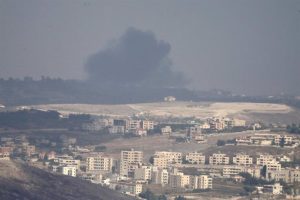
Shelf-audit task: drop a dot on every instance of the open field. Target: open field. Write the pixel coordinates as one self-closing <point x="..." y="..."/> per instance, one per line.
<point x="248" y="111"/>
<point x="151" y="144"/>
<point x="176" y="109"/>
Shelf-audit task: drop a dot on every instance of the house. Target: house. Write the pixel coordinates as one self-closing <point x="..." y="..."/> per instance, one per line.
<point x="167" y="130"/>
<point x="275" y="189"/>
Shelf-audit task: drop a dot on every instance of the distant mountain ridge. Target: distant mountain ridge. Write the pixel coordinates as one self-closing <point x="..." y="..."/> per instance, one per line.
<point x="57" y="91"/>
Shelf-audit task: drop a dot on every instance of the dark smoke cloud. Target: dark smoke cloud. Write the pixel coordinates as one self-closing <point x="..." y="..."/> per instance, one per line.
<point x="137" y="58"/>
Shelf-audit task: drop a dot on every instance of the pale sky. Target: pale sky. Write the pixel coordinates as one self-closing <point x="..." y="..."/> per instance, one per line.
<point x="244" y="46"/>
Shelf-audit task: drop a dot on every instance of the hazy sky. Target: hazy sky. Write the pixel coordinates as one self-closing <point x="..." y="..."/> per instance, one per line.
<point x="250" y="47"/>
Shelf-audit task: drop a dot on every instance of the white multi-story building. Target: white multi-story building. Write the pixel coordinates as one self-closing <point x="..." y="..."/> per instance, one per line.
<point x="288" y="175"/>
<point x="273" y="189"/>
<point x="99" y="163"/>
<point x="116" y="129"/>
<point x="160" y="162"/>
<point x="143" y="173"/>
<point x="219" y="159"/>
<point x="163" y="158"/>
<point x="167" y="130"/>
<point x="195" y="158"/>
<point x="147" y="125"/>
<point x="67" y="170"/>
<point x="179" y="180"/>
<point x="265" y="159"/>
<point x="273" y="166"/>
<point x="67" y="161"/>
<point x="129" y="159"/>
<point x="133" y="189"/>
<point x="201" y="182"/>
<point x="205" y="125"/>
<point x="285" y="139"/>
<point x="4" y="153"/>
<point x="160" y="176"/>
<point x="242" y="159"/>
<point x="134" y="124"/>
<point x="231" y="170"/>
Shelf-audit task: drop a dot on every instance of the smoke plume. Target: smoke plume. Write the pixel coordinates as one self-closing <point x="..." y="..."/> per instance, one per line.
<point x="136" y="58"/>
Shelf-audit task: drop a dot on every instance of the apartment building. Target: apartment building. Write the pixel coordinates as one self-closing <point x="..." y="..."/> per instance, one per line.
<point x="231" y="170"/>
<point x="143" y="173"/>
<point x="130" y="188"/>
<point x="219" y="159"/>
<point x="205" y="126"/>
<point x="160" y="176"/>
<point x="129" y="161"/>
<point x="216" y="124"/>
<point x="5" y="153"/>
<point x="242" y="159"/>
<point x="67" y="161"/>
<point x="116" y="129"/>
<point x="147" y="125"/>
<point x="254" y="170"/>
<point x="235" y="123"/>
<point x="134" y="124"/>
<point x="163" y="158"/>
<point x="167" y="130"/>
<point x="275" y="189"/>
<point x="195" y="158"/>
<point x="273" y="166"/>
<point x="99" y="163"/>
<point x="288" y="175"/>
<point x="179" y="180"/>
<point x="265" y="159"/>
<point x="67" y="170"/>
<point x="201" y="182"/>
<point x="285" y="139"/>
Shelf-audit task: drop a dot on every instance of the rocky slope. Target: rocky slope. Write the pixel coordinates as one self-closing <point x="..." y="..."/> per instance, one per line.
<point x="23" y="182"/>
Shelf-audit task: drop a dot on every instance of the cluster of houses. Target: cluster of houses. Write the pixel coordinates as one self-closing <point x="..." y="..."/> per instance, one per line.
<point x="130" y="173"/>
<point x="267" y="139"/>
<point x="221" y="123"/>
<point x="18" y="146"/>
<point x="121" y="126"/>
<point x="128" y="125"/>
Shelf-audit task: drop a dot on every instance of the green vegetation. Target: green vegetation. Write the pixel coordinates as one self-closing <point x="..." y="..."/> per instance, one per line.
<point x="224" y="142"/>
<point x="252" y="181"/>
<point x="221" y="143"/>
<point x="293" y="128"/>
<point x="100" y="148"/>
<point x="151" y="196"/>
<point x="201" y="190"/>
<point x="38" y="119"/>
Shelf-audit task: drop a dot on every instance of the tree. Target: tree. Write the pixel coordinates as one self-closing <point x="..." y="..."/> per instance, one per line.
<point x="100" y="148"/>
<point x="148" y="195"/>
<point x="151" y="160"/>
<point x="180" y="198"/>
<point x="282" y="142"/>
<point x="221" y="143"/>
<point x="249" y="189"/>
<point x="162" y="197"/>
<point x="264" y="171"/>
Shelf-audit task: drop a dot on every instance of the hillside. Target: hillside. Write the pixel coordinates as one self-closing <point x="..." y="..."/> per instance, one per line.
<point x="20" y="181"/>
